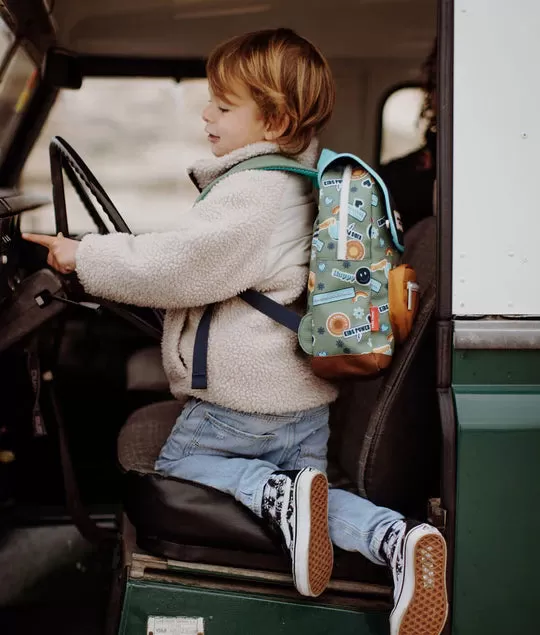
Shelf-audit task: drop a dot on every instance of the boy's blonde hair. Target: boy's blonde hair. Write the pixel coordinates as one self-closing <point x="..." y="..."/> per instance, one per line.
<point x="287" y="76"/>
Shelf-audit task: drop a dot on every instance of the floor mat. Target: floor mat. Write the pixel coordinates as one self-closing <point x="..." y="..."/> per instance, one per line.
<point x="52" y="581"/>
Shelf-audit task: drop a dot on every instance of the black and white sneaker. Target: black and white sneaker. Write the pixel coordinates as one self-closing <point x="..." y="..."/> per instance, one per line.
<point x="296" y="503"/>
<point x="416" y="553"/>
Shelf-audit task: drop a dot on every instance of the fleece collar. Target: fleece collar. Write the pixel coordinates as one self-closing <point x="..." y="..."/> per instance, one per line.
<point x="204" y="171"/>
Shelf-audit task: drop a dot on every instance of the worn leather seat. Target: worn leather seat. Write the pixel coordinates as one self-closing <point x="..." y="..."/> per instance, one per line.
<point x="384" y="445"/>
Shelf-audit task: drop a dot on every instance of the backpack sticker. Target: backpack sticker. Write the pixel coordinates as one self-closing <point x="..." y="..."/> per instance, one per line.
<point x="359" y="295"/>
<point x="355" y="250"/>
<point x="342" y="275"/>
<point x="311" y="281"/>
<point x="318" y="244"/>
<point x="357" y="212"/>
<point x="379" y="266"/>
<point x="357" y="331"/>
<point x="359" y="173"/>
<point x="333" y="296"/>
<point x="363" y="276"/>
<point x="333" y="183"/>
<point x="337" y="323"/>
<point x="352" y="233"/>
<point x="333" y="230"/>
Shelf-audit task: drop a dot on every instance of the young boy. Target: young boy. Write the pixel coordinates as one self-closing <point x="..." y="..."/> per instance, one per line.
<point x="259" y="431"/>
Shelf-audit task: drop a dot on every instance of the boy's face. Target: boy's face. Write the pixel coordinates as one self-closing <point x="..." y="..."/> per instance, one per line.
<point x="234" y="121"/>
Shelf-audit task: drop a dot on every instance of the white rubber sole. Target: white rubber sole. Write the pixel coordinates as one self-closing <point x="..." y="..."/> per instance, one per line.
<point x="422" y="605"/>
<point x="312" y="556"/>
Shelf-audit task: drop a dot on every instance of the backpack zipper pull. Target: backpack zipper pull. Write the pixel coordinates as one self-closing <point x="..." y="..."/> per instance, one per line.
<point x="412" y="287"/>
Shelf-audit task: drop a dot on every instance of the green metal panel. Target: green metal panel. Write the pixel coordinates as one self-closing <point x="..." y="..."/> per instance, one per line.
<point x="497" y="555"/>
<point x="496" y="367"/>
<point x="231" y="613"/>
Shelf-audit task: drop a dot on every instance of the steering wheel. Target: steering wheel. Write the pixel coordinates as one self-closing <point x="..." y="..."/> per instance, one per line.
<point x="64" y="159"/>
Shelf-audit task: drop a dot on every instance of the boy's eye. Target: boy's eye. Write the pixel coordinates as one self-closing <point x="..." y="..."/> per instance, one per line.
<point x="221" y="109"/>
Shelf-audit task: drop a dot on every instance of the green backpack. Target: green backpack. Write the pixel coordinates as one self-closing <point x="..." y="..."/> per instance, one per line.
<point x="360" y="301"/>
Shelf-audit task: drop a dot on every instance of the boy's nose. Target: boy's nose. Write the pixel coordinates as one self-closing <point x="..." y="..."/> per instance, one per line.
<point x="206" y="114"/>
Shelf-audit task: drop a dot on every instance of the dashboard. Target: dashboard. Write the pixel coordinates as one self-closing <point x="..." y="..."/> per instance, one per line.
<point x="12" y="205"/>
<point x="9" y="237"/>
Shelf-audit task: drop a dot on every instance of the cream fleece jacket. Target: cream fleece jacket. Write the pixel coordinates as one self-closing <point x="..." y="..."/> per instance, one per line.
<point x="253" y="230"/>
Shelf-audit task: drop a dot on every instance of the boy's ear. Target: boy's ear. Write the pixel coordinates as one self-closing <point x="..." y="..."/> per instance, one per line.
<point x="277" y="128"/>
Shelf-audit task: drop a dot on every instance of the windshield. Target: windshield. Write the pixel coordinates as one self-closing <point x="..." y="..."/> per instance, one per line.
<point x="17" y="85"/>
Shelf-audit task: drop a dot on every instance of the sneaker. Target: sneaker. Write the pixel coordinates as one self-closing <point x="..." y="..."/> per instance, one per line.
<point x="296" y="503"/>
<point x="417" y="557"/>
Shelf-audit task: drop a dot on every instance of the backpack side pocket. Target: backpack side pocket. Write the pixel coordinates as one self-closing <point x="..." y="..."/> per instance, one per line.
<point x="403" y="300"/>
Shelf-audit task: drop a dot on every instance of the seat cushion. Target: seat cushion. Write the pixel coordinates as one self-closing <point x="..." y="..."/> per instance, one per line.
<point x="186" y="521"/>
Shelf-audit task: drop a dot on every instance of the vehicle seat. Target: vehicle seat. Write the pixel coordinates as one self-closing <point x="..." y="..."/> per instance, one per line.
<point x="384" y="444"/>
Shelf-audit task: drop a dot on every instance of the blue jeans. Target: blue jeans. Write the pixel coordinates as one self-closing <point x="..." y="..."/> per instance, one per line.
<point x="236" y="452"/>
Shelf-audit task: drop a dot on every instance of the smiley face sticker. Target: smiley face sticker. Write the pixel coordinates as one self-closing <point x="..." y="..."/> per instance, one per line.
<point x="363" y="276"/>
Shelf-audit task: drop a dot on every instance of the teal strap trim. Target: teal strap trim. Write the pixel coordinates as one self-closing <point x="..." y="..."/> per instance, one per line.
<point x="328" y="156"/>
<point x="264" y="162"/>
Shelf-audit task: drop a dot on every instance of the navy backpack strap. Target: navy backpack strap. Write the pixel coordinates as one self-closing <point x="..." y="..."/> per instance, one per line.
<point x="272" y="309"/>
<point x="257" y="300"/>
<point x="200" y="350"/>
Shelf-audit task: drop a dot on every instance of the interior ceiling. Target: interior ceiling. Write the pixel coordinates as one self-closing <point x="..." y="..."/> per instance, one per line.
<point x="190" y="28"/>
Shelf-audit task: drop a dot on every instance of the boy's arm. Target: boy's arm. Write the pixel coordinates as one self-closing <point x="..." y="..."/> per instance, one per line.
<point x="219" y="251"/>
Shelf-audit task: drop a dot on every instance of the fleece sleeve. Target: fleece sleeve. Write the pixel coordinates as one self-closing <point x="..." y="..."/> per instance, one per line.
<point x="217" y="250"/>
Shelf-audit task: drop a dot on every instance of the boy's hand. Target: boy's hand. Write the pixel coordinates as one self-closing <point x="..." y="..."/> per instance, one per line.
<point x="62" y="251"/>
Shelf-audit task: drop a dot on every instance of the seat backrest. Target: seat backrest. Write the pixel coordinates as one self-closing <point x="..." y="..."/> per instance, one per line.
<point x="385" y="431"/>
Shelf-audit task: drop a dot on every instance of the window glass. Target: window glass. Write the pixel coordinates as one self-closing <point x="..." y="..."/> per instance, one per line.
<point x="137" y="136"/>
<point x="402" y="127"/>
<point x="17" y="86"/>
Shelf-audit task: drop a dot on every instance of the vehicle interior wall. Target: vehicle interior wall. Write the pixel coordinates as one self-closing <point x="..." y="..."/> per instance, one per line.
<point x="361" y="87"/>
